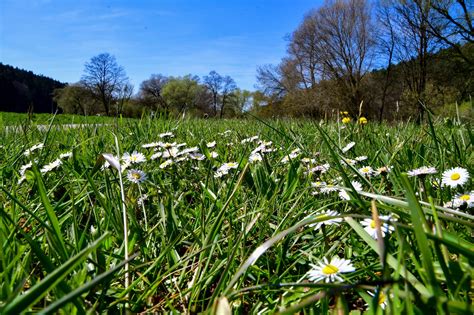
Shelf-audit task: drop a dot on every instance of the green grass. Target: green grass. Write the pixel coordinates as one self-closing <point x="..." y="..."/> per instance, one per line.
<point x="243" y="241"/>
<point x="14" y="119"/>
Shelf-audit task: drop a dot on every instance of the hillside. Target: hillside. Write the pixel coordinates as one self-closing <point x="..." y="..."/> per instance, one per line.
<point x="22" y="90"/>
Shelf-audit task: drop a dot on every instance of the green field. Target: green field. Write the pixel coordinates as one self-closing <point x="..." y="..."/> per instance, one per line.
<point x="275" y="216"/>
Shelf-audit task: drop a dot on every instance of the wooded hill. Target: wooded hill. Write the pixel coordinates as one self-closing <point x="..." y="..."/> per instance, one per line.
<point x="23" y="91"/>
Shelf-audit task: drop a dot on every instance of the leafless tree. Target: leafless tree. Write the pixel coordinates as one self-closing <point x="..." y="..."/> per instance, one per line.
<point x="151" y="91"/>
<point x="457" y="20"/>
<point x="228" y="87"/>
<point x="105" y="78"/>
<point x="214" y="82"/>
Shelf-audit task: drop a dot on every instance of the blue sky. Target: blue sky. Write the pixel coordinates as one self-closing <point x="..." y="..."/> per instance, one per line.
<point x="173" y="37"/>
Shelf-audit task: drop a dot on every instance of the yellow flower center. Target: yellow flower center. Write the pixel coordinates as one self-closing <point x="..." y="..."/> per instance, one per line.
<point x="372" y="224"/>
<point x="455" y="176"/>
<point x="465" y="197"/>
<point x="365" y="170"/>
<point x="322" y="216"/>
<point x="330" y="269"/>
<point x="382" y="298"/>
<point x="136" y="175"/>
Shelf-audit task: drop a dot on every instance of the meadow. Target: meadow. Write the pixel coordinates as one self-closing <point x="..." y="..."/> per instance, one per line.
<point x="237" y="216"/>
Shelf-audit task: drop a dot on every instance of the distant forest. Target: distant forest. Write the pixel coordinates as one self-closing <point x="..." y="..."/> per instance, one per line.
<point x="22" y="91"/>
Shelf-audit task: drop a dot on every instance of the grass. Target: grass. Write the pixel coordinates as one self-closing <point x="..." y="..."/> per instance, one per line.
<point x="242" y="242"/>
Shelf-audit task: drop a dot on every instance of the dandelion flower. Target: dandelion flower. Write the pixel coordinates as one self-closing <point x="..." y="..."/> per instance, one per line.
<point x="326" y="218"/>
<point x="362" y="120"/>
<point x="346" y="120"/>
<point x="370" y="226"/>
<point x="330" y="271"/>
<point x="457" y="176"/>
<point x="136" y="176"/>
<point x="421" y="171"/>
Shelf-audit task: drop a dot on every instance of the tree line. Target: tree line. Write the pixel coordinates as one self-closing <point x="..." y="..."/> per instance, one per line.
<point x="105" y="89"/>
<point x="24" y="91"/>
<point x="385" y="59"/>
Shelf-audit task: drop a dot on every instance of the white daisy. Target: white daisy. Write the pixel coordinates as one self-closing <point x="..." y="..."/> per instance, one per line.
<point x="382" y="299"/>
<point x="170" y="153"/>
<point x="33" y="148"/>
<point x="349" y="146"/>
<point x="214" y="154"/>
<point x="328" y="188"/>
<point x="367" y="171"/>
<point x="327" y="219"/>
<point x="156" y="155"/>
<point x="370" y="226"/>
<point x="51" y="166"/>
<point x="343" y="193"/>
<point x="166" y="163"/>
<point x="330" y="271"/>
<point x="65" y="155"/>
<point x="350" y="162"/>
<point x="136" y="176"/>
<point x="135" y="157"/>
<point x="247" y="140"/>
<point x="151" y="145"/>
<point x="255" y="157"/>
<point x="211" y="144"/>
<point x="197" y="156"/>
<point x="424" y="170"/>
<point x="25" y="167"/>
<point x="166" y="134"/>
<point x="466" y="198"/>
<point x="361" y="158"/>
<point x="457" y="176"/>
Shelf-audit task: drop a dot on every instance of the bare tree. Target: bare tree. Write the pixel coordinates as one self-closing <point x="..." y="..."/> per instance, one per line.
<point x="151" y="91"/>
<point x="228" y="87"/>
<point x="214" y="83"/>
<point x="105" y="78"/>
<point x="415" y="44"/>
<point x="457" y="20"/>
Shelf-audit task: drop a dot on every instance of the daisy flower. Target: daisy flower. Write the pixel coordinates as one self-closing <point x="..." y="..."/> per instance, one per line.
<point x="348" y="147"/>
<point x="366" y="171"/>
<point x="33" y="148"/>
<point x="136" y="176"/>
<point x="51" y="166"/>
<point x="156" y="155"/>
<point x="421" y="171"/>
<point x="382" y="300"/>
<point x="135" y="157"/>
<point x="214" y="154"/>
<point x="197" y="156"/>
<point x="466" y="198"/>
<point x="151" y="145"/>
<point x="328" y="188"/>
<point x="457" y="176"/>
<point x="343" y="193"/>
<point x="247" y="140"/>
<point x="166" y="163"/>
<point x="327" y="219"/>
<point x="24" y="168"/>
<point x="330" y="271"/>
<point x="370" y="226"/>
<point x="361" y="158"/>
<point x="166" y="134"/>
<point x="65" y="155"/>
<point x="211" y="144"/>
<point x="255" y="157"/>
